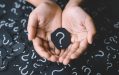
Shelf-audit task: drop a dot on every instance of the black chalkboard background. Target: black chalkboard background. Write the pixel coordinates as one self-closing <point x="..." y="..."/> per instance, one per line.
<point x="101" y="58"/>
<point x="114" y="7"/>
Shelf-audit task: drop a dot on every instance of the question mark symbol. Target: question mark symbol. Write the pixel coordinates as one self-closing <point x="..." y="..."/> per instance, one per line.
<point x="63" y="36"/>
<point x="13" y="10"/>
<point x="101" y="54"/>
<point x="23" y="21"/>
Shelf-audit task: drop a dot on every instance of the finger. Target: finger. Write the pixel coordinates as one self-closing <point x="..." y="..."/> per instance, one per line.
<point x="91" y="29"/>
<point x="53" y="58"/>
<point x="32" y="26"/>
<point x="57" y="51"/>
<point x="39" y="48"/>
<point x="51" y="45"/>
<point x="52" y="48"/>
<point x="74" y="47"/>
<point x="64" y="54"/>
<point x="66" y="61"/>
<point x="46" y="46"/>
<point x="80" y="50"/>
<point x="53" y="52"/>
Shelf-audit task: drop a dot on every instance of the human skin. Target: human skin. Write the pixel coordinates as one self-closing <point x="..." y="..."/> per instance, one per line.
<point x="82" y="30"/>
<point x="44" y="20"/>
<point x="76" y="21"/>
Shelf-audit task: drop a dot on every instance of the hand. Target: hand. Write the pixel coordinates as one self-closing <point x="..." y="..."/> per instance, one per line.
<point x="82" y="30"/>
<point x="44" y="20"/>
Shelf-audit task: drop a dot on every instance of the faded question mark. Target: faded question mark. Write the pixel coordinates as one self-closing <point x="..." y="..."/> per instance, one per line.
<point x="23" y="21"/>
<point x="5" y="42"/>
<point x="86" y="69"/>
<point x="101" y="54"/>
<point x="109" y="65"/>
<point x="2" y="5"/>
<point x="60" y="41"/>
<point x="22" y="70"/>
<point x="13" y="10"/>
<point x="57" y="71"/>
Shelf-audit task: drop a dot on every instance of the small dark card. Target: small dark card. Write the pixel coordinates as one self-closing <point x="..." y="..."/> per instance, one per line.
<point x="61" y="38"/>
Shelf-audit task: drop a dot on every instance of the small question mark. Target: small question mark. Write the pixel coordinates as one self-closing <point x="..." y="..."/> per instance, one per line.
<point x="60" y="41"/>
<point x="23" y="21"/>
<point x="22" y="70"/>
<point x="5" y="42"/>
<point x="57" y="71"/>
<point x="101" y="54"/>
<point x="2" y="5"/>
<point x="75" y="73"/>
<point x="109" y="65"/>
<point x="13" y="10"/>
<point x="112" y="39"/>
<point x="24" y="58"/>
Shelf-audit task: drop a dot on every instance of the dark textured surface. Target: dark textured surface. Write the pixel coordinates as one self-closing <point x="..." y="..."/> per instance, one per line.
<point x="101" y="58"/>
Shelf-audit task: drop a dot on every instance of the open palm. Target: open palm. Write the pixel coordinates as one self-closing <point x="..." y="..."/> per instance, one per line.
<point x="43" y="20"/>
<point x="82" y="30"/>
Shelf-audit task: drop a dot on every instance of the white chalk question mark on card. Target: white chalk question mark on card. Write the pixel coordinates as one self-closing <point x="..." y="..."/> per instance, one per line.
<point x="60" y="41"/>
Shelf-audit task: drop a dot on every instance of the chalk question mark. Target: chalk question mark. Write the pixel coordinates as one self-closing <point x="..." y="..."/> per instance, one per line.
<point x="61" y="38"/>
<point x="60" y="41"/>
<point x="101" y="54"/>
<point x="23" y="21"/>
<point x="13" y="10"/>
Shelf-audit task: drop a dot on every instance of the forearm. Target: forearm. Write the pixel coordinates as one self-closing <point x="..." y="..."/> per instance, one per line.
<point x="36" y="2"/>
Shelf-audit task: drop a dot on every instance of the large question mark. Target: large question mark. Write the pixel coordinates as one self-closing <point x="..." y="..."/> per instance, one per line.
<point x="60" y="41"/>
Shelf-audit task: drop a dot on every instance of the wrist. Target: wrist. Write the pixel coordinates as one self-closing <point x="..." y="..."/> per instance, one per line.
<point x="37" y="2"/>
<point x="73" y="3"/>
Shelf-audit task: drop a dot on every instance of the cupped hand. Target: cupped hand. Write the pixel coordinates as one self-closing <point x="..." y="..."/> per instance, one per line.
<point x="82" y="30"/>
<point x="43" y="20"/>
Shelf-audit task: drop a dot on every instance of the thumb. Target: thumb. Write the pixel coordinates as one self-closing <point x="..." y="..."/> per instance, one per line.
<point x="32" y="26"/>
<point x="90" y="37"/>
<point x="90" y="28"/>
